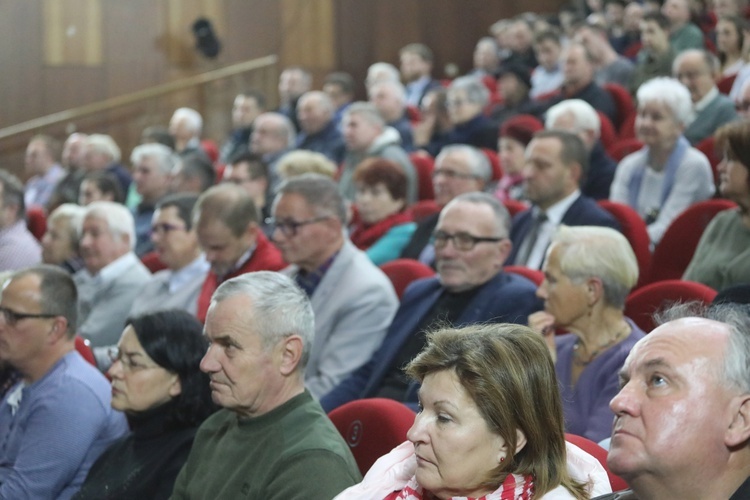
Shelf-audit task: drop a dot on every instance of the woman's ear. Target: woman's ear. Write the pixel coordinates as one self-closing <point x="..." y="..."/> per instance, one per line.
<point x="175" y="388"/>
<point x="594" y="290"/>
<point x="520" y="440"/>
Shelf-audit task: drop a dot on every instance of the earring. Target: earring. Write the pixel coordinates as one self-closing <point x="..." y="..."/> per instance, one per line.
<point x="502" y="459"/>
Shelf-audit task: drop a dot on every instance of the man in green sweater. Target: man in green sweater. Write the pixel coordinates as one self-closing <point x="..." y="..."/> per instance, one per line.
<point x="272" y="439"/>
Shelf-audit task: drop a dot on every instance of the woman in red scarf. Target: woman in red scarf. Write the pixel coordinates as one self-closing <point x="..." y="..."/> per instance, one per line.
<point x="384" y="226"/>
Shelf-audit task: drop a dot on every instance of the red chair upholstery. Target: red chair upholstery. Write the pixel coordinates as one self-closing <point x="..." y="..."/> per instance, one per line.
<point x="607" y="135"/>
<point x="424" y="164"/>
<point x="677" y="246"/>
<point x="623" y="102"/>
<point x="423" y="209"/>
<point x="632" y="50"/>
<point x="600" y="454"/>
<point x="413" y="114"/>
<point x="708" y="147"/>
<point x="644" y="302"/>
<point x="372" y="427"/>
<point x="534" y="275"/>
<point x="634" y="229"/>
<point x="497" y="169"/>
<point x="623" y="147"/>
<point x="36" y="221"/>
<point x="725" y="84"/>
<point x="152" y="262"/>
<point x="627" y="129"/>
<point x="211" y="150"/>
<point x="515" y="206"/>
<point x="84" y="349"/>
<point x="402" y="272"/>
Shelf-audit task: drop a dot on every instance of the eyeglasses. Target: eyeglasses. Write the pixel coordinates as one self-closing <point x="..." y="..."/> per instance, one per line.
<point x="128" y="363"/>
<point x="289" y="227"/>
<point x="165" y="227"/>
<point x="462" y="241"/>
<point x="451" y="174"/>
<point x="12" y="317"/>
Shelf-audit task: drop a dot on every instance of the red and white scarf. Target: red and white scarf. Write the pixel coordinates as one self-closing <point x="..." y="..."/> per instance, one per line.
<point x="515" y="487"/>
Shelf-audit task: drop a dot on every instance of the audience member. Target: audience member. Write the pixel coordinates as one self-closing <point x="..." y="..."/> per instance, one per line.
<point x="260" y="328"/>
<point x="381" y="72"/>
<point x="683" y="34"/>
<point x="293" y="82"/>
<point x="176" y="244"/>
<point x="667" y="175"/>
<point x="515" y="135"/>
<point x="467" y="100"/>
<point x="630" y="38"/>
<point x="556" y="163"/>
<point x="730" y="32"/>
<point x="384" y="226"/>
<point x="430" y="133"/>
<point x="548" y="76"/>
<point x="157" y="134"/>
<point x="698" y="362"/>
<point x="697" y="70"/>
<point x="66" y="189"/>
<point x="250" y="172"/>
<point x="186" y="126"/>
<point x="610" y="66"/>
<point x="578" y="117"/>
<point x="657" y="55"/>
<point x="192" y="174"/>
<point x="513" y="83"/>
<point x="111" y="278"/>
<point x="100" y="186"/>
<point x="246" y="108"/>
<point x="43" y="170"/>
<point x="486" y="58"/>
<point x="352" y="299"/>
<point x="103" y="154"/>
<point x="300" y="162"/>
<point x="318" y="130"/>
<point x="56" y="420"/>
<point x="157" y="382"/>
<point x="152" y="166"/>
<point x="389" y="98"/>
<point x="589" y="272"/>
<point x="366" y="136"/>
<point x="60" y="240"/>
<point x="340" y="89"/>
<point x="18" y="247"/>
<point x="458" y="169"/>
<point x="471" y="246"/>
<point x="722" y="258"/>
<point x="416" y="71"/>
<point x="521" y="43"/>
<point x="273" y="135"/>
<point x="227" y="226"/>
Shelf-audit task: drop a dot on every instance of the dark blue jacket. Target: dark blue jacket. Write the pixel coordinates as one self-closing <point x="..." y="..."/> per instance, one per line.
<point x="327" y="142"/>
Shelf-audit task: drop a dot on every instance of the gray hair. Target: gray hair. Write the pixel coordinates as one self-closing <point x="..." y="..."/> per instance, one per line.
<point x="323" y="100"/>
<point x="192" y="117"/>
<point x="669" y="92"/>
<point x="320" y="192"/>
<point x="475" y="90"/>
<point x="118" y="218"/>
<point x="72" y="214"/>
<point x="367" y="111"/>
<point x="598" y="252"/>
<point x="165" y="158"/>
<point x="711" y="61"/>
<point x="282" y="123"/>
<point x="279" y="308"/>
<point x="103" y="143"/>
<point x="58" y="293"/>
<point x="500" y="213"/>
<point x="584" y="115"/>
<point x="387" y="69"/>
<point x="396" y="87"/>
<point x="478" y="161"/>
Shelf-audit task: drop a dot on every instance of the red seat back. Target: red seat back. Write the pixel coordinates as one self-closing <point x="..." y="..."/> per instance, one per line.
<point x="84" y="349"/>
<point x="607" y="135"/>
<point x="494" y="159"/>
<point x="515" y="206"/>
<point x="600" y="454"/>
<point x="534" y="275"/>
<point x="36" y="221"/>
<point x="673" y="253"/>
<point x="372" y="427"/>
<point x="623" y="102"/>
<point x="627" y="129"/>
<point x="152" y="262"/>
<point x="402" y="272"/>
<point x="623" y="147"/>
<point x="708" y="147"/>
<point x="424" y="164"/>
<point x="725" y="84"/>
<point x="634" y="229"/>
<point x="423" y="209"/>
<point x="641" y="304"/>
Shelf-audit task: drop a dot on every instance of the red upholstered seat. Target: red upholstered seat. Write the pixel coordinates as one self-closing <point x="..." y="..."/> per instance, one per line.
<point x="608" y="136"/>
<point x="725" y="84"/>
<point x="708" y="147"/>
<point x="83" y="348"/>
<point x="600" y="454"/>
<point x="627" y="129"/>
<point x="372" y="427"/>
<point x="515" y="206"/>
<point x="623" y="147"/>
<point x="152" y="262"/>
<point x="36" y="221"/>
<point x="677" y="246"/>
<point x="423" y="209"/>
<point x="623" y="102"/>
<point x="534" y="275"/>
<point x="634" y="229"/>
<point x="402" y="272"/>
<point x="644" y="302"/>
<point x="494" y="159"/>
<point x="424" y="164"/>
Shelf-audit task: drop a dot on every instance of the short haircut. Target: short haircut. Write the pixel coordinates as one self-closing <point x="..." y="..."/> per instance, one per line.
<point x="584" y="115"/>
<point x="478" y="161"/>
<point x="117" y="216"/>
<point x="58" y="293"/>
<point x="104" y="144"/>
<point x="165" y="158"/>
<point x="184" y="203"/>
<point x="499" y="212"/>
<point x="383" y="67"/>
<point x="341" y="79"/>
<point x="174" y="340"/>
<point x="658" y="18"/>
<point x="419" y="49"/>
<point x="303" y="74"/>
<point x="668" y="91"/>
<point x="196" y="165"/>
<point x="283" y="126"/>
<point x="107" y="183"/>
<point x="279" y="308"/>
<point x="229" y="204"/>
<point x="547" y="35"/>
<point x="475" y="90"/>
<point x="396" y="87"/>
<point x="321" y="193"/>
<point x="572" y="151"/>
<point x="710" y="60"/>
<point x="13" y="193"/>
<point x="302" y="161"/>
<point x="507" y="371"/>
<point x="72" y="214"/>
<point x="367" y="111"/>
<point x="256" y="167"/>
<point x="193" y="119"/>
<point x="51" y="144"/>
<point x="598" y="252"/>
<point x="373" y="171"/>
<point x="257" y="95"/>
<point x="159" y="135"/>
<point x="323" y="100"/>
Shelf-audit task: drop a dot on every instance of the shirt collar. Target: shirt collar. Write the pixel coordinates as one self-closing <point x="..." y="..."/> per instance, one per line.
<point x="181" y="277"/>
<point x="710" y="96"/>
<point x="556" y="212"/>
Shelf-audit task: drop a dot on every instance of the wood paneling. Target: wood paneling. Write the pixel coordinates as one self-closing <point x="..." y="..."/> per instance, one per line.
<point x="72" y="31"/>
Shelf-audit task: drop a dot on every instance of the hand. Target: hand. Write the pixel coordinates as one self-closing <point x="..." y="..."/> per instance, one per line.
<point x="544" y="323"/>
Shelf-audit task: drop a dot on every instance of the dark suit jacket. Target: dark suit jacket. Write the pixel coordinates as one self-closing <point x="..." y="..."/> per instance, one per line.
<point x="420" y="238"/>
<point x="583" y="212"/>
<point x="506" y="298"/>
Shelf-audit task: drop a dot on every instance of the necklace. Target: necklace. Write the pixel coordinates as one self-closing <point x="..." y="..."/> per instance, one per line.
<point x="578" y="358"/>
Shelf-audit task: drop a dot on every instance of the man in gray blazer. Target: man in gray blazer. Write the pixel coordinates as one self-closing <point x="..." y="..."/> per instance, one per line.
<point x="353" y="300"/>
<point x="111" y="278"/>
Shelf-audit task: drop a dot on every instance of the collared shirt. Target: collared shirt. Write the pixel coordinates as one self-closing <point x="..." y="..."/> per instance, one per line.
<point x="18" y="247"/>
<point x="113" y="270"/>
<point x="309" y="281"/>
<point x="240" y="262"/>
<point x="699" y="106"/>
<point x="555" y="213"/>
<point x="39" y="188"/>
<point x="415" y="89"/>
<point x="198" y="268"/>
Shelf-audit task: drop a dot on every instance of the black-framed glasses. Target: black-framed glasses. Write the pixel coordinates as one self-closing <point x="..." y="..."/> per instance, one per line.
<point x="129" y="361"/>
<point x="165" y="227"/>
<point x="12" y="317"/>
<point x="289" y="227"/>
<point x="452" y="174"/>
<point x="461" y="240"/>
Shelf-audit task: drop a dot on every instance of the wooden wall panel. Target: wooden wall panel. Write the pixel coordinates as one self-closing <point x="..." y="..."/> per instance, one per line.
<point x="72" y="31"/>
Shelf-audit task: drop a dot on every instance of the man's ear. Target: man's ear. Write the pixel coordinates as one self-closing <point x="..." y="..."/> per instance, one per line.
<point x="59" y="330"/>
<point x="290" y="353"/>
<point x="738" y="432"/>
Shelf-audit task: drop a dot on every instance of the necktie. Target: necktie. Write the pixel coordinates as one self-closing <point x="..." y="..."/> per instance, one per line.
<point x="528" y="244"/>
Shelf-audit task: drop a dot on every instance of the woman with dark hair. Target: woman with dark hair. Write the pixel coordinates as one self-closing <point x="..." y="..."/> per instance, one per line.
<point x="490" y="425"/>
<point x="100" y="186"/>
<point x="157" y="382"/>
<point x="722" y="258"/>
<point x="384" y="226"/>
<point x="729" y="39"/>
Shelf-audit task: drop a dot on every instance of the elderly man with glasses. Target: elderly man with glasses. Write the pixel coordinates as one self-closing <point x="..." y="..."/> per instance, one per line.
<point x="353" y="300"/>
<point x="471" y="245"/>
